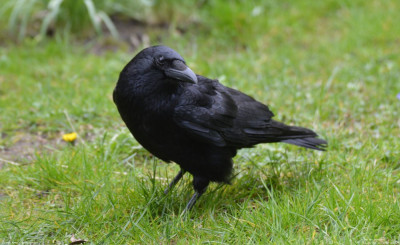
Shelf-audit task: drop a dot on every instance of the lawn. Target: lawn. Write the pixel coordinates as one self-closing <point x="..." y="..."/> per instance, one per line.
<point x="333" y="66"/>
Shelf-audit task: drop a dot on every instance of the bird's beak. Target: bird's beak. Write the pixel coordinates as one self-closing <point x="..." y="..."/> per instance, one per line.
<point x="181" y="72"/>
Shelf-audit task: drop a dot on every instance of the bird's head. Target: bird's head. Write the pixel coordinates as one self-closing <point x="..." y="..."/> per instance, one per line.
<point x="161" y="63"/>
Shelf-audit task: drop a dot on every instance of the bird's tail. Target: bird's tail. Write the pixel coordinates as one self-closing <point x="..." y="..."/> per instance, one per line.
<point x="299" y="136"/>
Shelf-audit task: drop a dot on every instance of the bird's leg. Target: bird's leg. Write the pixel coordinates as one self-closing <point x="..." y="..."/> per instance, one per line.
<point x="192" y="201"/>
<point x="175" y="180"/>
<point x="200" y="186"/>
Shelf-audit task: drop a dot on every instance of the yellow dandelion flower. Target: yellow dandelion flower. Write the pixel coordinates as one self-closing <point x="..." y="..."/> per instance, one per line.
<point x="71" y="137"/>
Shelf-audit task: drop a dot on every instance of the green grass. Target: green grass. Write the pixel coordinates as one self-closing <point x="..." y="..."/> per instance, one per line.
<point x="333" y="66"/>
<point x="80" y="19"/>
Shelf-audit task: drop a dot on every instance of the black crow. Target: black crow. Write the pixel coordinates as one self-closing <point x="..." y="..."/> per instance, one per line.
<point x="195" y="121"/>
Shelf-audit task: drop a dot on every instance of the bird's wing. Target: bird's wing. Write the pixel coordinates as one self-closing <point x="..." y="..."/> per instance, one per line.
<point x="253" y="121"/>
<point x="205" y="112"/>
<point x="215" y="114"/>
<point x="254" y="124"/>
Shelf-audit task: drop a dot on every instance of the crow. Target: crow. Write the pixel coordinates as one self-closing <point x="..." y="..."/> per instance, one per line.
<point x="195" y="121"/>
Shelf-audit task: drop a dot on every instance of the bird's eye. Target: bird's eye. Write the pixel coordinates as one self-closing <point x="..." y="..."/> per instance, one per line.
<point x="161" y="59"/>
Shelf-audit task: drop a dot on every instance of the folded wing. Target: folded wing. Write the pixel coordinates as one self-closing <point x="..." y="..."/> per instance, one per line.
<point x="215" y="114"/>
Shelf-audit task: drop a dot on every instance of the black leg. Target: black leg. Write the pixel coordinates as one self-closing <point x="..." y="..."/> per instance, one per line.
<point x="174" y="181"/>
<point x="200" y="186"/>
<point x="192" y="201"/>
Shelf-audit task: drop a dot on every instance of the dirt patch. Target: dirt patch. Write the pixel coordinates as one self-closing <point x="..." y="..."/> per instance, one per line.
<point x="24" y="148"/>
<point x="132" y="34"/>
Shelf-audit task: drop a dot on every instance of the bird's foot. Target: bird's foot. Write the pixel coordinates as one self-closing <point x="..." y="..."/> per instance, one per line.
<point x="191" y="203"/>
<point x="200" y="186"/>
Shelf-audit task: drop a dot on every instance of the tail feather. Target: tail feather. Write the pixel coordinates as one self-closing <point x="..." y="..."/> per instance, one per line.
<point x="299" y="136"/>
<point x="311" y="143"/>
